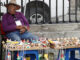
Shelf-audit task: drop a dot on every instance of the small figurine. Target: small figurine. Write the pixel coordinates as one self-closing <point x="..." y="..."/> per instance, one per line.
<point x="32" y="44"/>
<point x="27" y="41"/>
<point x="9" y="56"/>
<point x="28" y="46"/>
<point x="18" y="57"/>
<point x="36" y="44"/>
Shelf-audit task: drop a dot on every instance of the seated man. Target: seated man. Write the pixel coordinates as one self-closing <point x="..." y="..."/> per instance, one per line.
<point x="15" y="24"/>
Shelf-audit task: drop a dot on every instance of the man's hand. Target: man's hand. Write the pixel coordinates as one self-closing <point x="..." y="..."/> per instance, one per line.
<point x="26" y="27"/>
<point x="19" y="27"/>
<point x="22" y="30"/>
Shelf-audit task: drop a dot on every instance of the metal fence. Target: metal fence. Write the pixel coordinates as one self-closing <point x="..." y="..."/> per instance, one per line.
<point x="46" y="11"/>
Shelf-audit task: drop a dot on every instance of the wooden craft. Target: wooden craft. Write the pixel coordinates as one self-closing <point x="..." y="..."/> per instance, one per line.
<point x="26" y="45"/>
<point x="65" y="43"/>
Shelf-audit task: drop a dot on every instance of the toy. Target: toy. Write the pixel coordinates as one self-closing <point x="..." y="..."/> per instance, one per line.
<point x="26" y="44"/>
<point x="9" y="56"/>
<point x="64" y="42"/>
<point x="18" y="57"/>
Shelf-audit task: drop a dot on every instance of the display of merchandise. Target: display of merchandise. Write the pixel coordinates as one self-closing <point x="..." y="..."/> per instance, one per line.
<point x="62" y="43"/>
<point x="26" y="44"/>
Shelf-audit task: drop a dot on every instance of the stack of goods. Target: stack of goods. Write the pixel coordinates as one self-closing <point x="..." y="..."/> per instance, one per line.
<point x="25" y="44"/>
<point x="64" y="43"/>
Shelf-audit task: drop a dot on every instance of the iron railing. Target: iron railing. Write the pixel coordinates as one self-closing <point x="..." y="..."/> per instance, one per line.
<point x="57" y="19"/>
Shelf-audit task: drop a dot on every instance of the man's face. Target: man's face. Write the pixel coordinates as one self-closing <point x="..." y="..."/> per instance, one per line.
<point x="11" y="9"/>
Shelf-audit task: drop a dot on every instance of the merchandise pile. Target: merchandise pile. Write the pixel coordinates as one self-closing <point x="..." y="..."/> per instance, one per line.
<point x="42" y="43"/>
<point x="63" y="43"/>
<point x="26" y="44"/>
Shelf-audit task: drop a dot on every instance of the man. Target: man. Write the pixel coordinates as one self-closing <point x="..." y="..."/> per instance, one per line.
<point x="15" y="24"/>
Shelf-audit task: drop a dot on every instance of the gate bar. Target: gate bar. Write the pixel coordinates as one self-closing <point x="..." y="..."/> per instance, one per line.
<point x="36" y="12"/>
<point x="43" y="12"/>
<point x="50" y="11"/>
<point x="63" y="11"/>
<point x="57" y="11"/>
<point x="76" y="11"/>
<point x="22" y="9"/>
<point x="29" y="10"/>
<point x="69" y="10"/>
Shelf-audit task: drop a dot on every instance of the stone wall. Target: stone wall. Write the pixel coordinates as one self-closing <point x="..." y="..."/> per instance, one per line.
<point x="56" y="30"/>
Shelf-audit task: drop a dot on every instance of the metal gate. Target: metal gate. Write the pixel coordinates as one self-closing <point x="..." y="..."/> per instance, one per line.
<point x="72" y="16"/>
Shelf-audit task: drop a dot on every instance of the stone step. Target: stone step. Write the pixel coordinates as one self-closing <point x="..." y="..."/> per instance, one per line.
<point x="56" y="30"/>
<point x="58" y="34"/>
<point x="55" y="27"/>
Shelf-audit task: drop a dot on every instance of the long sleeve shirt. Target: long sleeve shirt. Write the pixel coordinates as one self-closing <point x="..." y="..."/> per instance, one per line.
<point x="8" y="22"/>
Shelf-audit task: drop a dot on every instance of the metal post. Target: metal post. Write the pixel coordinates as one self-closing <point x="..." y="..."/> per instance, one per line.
<point x="29" y="10"/>
<point x="43" y="12"/>
<point x="0" y="38"/>
<point x="63" y="11"/>
<point x="36" y="12"/>
<point x="22" y="9"/>
<point x="69" y="10"/>
<point x="57" y="11"/>
<point x="0" y="6"/>
<point x="50" y="11"/>
<point x="76" y="11"/>
<point x="7" y="3"/>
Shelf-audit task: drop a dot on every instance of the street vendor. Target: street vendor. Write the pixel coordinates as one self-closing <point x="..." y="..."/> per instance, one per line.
<point x="15" y="24"/>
